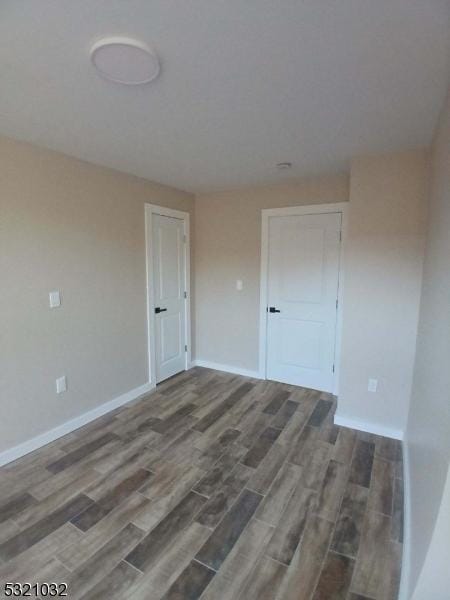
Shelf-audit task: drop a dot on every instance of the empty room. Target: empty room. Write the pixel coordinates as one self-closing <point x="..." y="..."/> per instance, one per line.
<point x="225" y="299"/>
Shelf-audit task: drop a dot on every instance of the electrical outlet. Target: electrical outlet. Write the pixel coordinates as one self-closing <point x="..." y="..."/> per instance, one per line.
<point x="239" y="285"/>
<point x="61" y="384"/>
<point x="372" y="385"/>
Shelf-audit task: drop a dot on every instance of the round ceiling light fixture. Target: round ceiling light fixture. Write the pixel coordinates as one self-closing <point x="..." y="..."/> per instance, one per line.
<point x="125" y="60"/>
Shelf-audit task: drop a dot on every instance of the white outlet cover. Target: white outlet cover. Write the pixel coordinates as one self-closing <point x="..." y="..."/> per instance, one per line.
<point x="54" y="299"/>
<point x="61" y="384"/>
<point x="372" y="385"/>
<point x="239" y="285"/>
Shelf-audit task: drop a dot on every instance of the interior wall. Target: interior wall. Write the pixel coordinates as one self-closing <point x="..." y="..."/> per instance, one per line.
<point x="383" y="272"/>
<point x="71" y="226"/>
<point x="434" y="579"/>
<point x="428" y="430"/>
<point x="228" y="248"/>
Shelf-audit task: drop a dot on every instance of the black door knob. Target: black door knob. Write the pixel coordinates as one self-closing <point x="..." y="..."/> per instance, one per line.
<point x="272" y="309"/>
<point x="160" y="310"/>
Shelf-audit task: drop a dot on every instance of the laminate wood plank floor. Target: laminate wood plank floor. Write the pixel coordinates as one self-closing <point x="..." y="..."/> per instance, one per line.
<point x="215" y="486"/>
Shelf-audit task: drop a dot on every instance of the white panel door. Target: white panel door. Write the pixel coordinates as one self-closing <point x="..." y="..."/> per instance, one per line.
<point x="169" y="287"/>
<point x="303" y="279"/>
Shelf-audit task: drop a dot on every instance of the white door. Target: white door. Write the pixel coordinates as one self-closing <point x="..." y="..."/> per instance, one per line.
<point x="303" y="279"/>
<point x="169" y="279"/>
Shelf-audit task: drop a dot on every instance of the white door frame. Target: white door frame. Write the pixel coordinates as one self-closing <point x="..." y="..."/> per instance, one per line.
<point x="150" y="210"/>
<point x="314" y="209"/>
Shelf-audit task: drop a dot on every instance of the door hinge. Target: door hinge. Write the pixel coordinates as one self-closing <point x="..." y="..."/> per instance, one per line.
<point x="337" y="303"/>
<point x="185" y="294"/>
<point x="184" y="238"/>
<point x="340" y="236"/>
<point x="333" y="368"/>
<point x="185" y="348"/>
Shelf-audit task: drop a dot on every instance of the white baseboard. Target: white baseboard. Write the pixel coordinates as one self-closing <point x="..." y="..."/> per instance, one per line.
<point x="227" y="368"/>
<point x="396" y="434"/>
<point x="406" y="566"/>
<point x="53" y="434"/>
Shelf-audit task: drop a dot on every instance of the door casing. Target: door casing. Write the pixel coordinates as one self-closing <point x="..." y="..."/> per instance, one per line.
<point x="315" y="209"/>
<point x="150" y="210"/>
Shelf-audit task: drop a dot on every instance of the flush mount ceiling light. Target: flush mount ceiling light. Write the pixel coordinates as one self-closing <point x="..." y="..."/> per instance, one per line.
<point x="282" y="166"/>
<point x="125" y="60"/>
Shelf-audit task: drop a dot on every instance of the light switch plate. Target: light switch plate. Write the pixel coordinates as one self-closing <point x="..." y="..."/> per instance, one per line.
<point x="55" y="299"/>
<point x="61" y="384"/>
<point x="239" y="285"/>
<point x="372" y="385"/>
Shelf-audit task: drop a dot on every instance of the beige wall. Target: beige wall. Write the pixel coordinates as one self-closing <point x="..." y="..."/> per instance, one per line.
<point x="383" y="267"/>
<point x="72" y="226"/>
<point x="434" y="576"/>
<point x="428" y="431"/>
<point x="228" y="247"/>
<point x="383" y="270"/>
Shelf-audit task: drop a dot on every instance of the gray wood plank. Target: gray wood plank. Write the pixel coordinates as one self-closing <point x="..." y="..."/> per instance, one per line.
<point x="7" y="530"/>
<point x="215" y="476"/>
<point x="218" y="504"/>
<point x="217" y="412"/>
<point x="273" y="505"/>
<point x="34" y="513"/>
<point x="268" y="468"/>
<point x="261" y="447"/>
<point x="388" y="449"/>
<point x="171" y="484"/>
<point x="87" y="544"/>
<point x="295" y="426"/>
<point x="252" y="430"/>
<point x="155" y="582"/>
<point x="103" y="561"/>
<point x="370" y="567"/>
<point x="104" y="505"/>
<point x="344" y="445"/>
<point x="33" y="534"/>
<point x="238" y="565"/>
<point x="347" y="534"/>
<point x="15" y="505"/>
<point x="89" y="517"/>
<point x="165" y="425"/>
<point x="320" y="413"/>
<point x="146" y="553"/>
<point x="330" y="433"/>
<point x="80" y="453"/>
<point x="215" y="450"/>
<point x="361" y="468"/>
<point x="335" y="578"/>
<point x="226" y="534"/>
<point x="289" y="531"/>
<point x="276" y="402"/>
<point x="115" y="585"/>
<point x="315" y="467"/>
<point x="37" y="556"/>
<point x="330" y="496"/>
<point x="191" y="583"/>
<point x="285" y="414"/>
<point x="264" y="581"/>
<point x="303" y="448"/>
<point x="304" y="571"/>
<point x="397" y="513"/>
<point x="381" y="486"/>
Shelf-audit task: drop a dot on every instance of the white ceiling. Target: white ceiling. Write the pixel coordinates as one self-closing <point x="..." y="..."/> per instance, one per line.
<point x="244" y="85"/>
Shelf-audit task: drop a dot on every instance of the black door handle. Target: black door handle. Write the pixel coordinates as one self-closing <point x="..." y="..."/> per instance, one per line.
<point x="272" y="309"/>
<point x="160" y="310"/>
